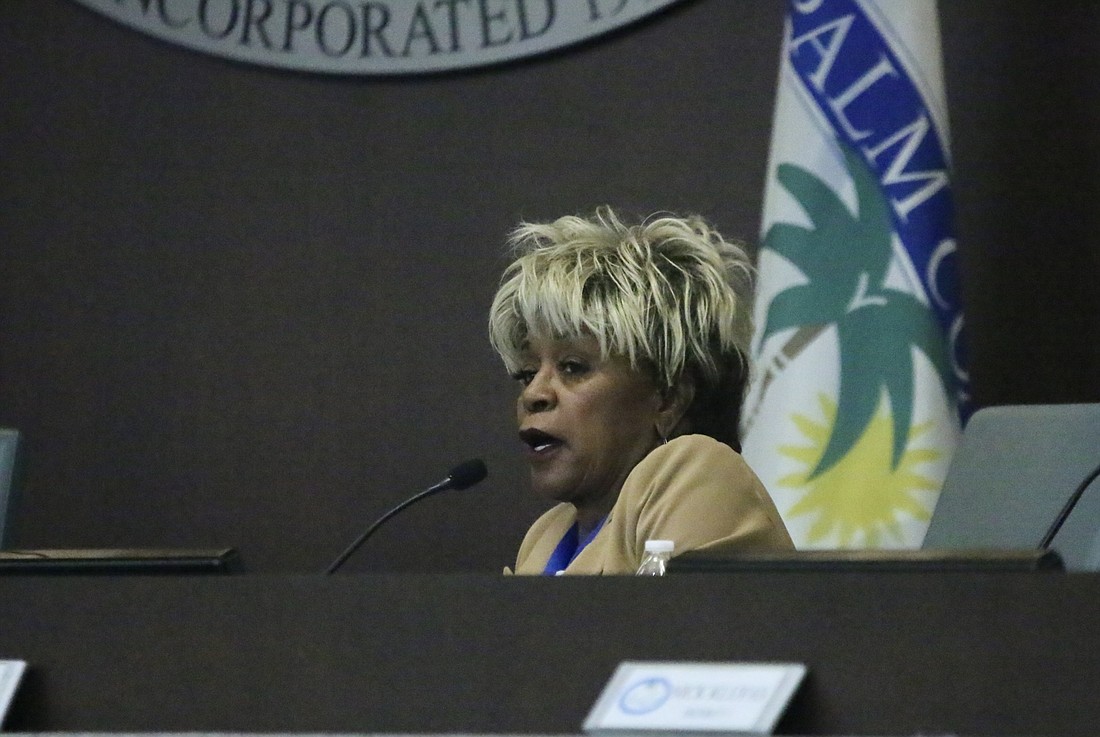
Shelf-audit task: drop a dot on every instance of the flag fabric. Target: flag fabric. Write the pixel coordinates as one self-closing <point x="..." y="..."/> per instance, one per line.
<point x="859" y="381"/>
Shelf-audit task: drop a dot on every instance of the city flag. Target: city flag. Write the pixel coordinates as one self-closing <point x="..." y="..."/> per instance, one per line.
<point x="859" y="381"/>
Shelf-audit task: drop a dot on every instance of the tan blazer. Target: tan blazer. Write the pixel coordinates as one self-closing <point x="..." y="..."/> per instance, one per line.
<point x="695" y="491"/>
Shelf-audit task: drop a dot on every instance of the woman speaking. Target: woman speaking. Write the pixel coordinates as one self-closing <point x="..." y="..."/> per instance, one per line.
<point x="630" y="347"/>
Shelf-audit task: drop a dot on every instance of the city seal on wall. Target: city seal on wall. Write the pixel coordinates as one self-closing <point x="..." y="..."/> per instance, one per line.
<point x="375" y="36"/>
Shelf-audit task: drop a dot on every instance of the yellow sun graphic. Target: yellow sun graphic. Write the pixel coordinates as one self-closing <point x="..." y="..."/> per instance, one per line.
<point x="859" y="499"/>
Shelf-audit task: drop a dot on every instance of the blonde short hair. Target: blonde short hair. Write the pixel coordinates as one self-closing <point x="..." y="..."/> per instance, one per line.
<point x="669" y="293"/>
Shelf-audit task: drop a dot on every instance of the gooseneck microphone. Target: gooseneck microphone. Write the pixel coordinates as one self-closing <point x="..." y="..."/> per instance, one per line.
<point x="1063" y="515"/>
<point x="462" y="476"/>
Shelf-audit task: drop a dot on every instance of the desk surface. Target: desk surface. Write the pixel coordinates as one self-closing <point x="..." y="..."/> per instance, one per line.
<point x="888" y="653"/>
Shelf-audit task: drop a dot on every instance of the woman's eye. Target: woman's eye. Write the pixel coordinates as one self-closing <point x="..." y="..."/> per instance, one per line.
<point x="573" y="368"/>
<point x="524" y="376"/>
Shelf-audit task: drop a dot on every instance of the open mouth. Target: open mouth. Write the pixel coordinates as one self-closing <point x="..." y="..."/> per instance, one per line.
<point x="538" y="441"/>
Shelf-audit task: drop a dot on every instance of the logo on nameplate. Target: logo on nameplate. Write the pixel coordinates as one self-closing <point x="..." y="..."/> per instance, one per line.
<point x="695" y="697"/>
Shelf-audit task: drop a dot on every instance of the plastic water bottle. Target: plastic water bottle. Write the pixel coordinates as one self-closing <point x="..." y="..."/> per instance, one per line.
<point x="655" y="560"/>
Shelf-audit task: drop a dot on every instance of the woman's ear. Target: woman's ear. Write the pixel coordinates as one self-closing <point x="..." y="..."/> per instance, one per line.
<point x="672" y="413"/>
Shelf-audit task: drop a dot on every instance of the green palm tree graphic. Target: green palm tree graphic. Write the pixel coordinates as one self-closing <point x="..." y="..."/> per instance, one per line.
<point x="845" y="258"/>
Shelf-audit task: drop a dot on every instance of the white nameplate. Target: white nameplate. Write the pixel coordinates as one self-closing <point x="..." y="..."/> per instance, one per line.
<point x="695" y="697"/>
<point x="10" y="673"/>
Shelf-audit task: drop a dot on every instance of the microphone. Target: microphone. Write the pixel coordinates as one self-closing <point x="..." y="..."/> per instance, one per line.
<point x="462" y="476"/>
<point x="1063" y="515"/>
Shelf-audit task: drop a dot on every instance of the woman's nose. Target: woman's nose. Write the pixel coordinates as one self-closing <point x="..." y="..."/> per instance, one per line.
<point x="538" y="396"/>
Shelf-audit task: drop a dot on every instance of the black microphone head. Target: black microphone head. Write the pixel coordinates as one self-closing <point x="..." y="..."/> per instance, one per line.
<point x="468" y="473"/>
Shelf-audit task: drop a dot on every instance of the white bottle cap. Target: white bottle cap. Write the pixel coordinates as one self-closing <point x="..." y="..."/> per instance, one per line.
<point x="659" y="546"/>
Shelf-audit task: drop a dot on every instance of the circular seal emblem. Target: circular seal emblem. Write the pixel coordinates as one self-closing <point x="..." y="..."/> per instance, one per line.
<point x="376" y="36"/>
<point x="645" y="696"/>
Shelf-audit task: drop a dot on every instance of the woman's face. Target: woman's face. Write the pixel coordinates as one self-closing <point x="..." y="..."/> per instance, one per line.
<point x="584" y="421"/>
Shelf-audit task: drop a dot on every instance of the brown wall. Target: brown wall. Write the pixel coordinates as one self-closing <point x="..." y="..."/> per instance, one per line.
<point x="246" y="307"/>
